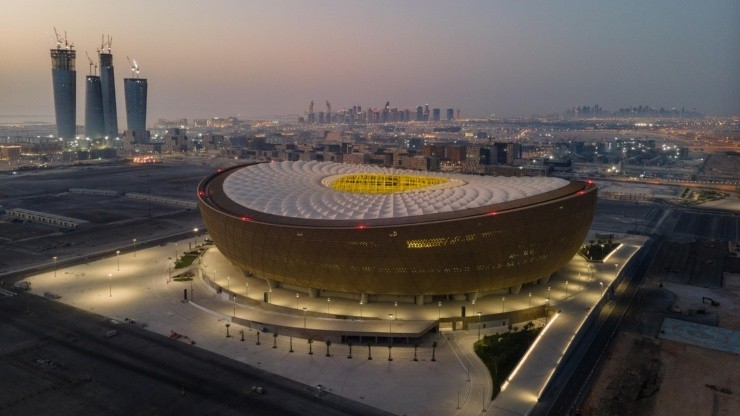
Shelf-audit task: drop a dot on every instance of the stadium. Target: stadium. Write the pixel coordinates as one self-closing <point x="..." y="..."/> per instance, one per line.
<point x="332" y="228"/>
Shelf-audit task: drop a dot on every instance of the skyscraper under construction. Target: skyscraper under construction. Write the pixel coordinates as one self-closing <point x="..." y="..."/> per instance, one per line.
<point x="108" y="88"/>
<point x="135" y="90"/>
<point x="64" y="77"/>
<point x="94" y="126"/>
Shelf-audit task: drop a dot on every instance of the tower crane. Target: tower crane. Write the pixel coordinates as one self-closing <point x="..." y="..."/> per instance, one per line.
<point x="92" y="64"/>
<point x="134" y="67"/>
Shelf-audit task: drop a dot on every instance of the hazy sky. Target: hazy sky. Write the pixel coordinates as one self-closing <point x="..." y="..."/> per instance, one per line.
<point x="220" y="58"/>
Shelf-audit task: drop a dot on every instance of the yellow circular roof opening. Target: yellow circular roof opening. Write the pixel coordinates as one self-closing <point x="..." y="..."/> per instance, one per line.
<point x="380" y="183"/>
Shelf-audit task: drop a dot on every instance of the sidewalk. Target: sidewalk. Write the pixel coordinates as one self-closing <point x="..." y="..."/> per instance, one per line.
<point x="524" y="387"/>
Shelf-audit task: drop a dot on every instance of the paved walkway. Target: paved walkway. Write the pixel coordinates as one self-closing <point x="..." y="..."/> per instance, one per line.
<point x="137" y="286"/>
<point x="520" y="394"/>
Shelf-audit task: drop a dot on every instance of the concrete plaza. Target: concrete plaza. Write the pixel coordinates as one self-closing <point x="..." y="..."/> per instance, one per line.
<point x="137" y="286"/>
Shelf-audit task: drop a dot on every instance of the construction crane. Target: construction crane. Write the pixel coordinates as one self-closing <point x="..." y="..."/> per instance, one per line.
<point x="134" y="67"/>
<point x="328" y="107"/>
<point x="59" y="40"/>
<point x="92" y="64"/>
<point x="105" y="43"/>
<point x="310" y="107"/>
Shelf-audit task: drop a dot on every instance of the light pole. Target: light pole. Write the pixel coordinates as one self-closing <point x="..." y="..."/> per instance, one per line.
<point x="195" y="237"/>
<point x="360" y="309"/>
<point x="548" y="294"/>
<point x="328" y="302"/>
<point x="395" y="310"/>
<point x="530" y="300"/>
<point x="175" y="250"/>
<point x="566" y="289"/>
<point x="601" y="284"/>
<point x="55" y="266"/>
<point x="503" y="304"/>
<point x="134" y="247"/>
<point x="297" y="296"/>
<point x="228" y="282"/>
<point x="191" y="287"/>
<point x="110" y="285"/>
<point x="478" y="326"/>
<point x="118" y="260"/>
<point x="246" y="288"/>
<point x="390" y="335"/>
<point x="439" y="310"/>
<point x="304" y="317"/>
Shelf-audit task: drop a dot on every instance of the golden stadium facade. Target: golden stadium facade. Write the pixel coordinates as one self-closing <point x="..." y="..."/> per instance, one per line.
<point x="379" y="231"/>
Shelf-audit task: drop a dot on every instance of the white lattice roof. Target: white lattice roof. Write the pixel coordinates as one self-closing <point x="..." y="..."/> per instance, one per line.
<point x="295" y="189"/>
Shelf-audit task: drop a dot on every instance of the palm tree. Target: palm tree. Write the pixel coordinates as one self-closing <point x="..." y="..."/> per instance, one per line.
<point x="349" y="344"/>
<point x="369" y="356"/>
<point x="310" y="346"/>
<point x="274" y="339"/>
<point x="416" y="345"/>
<point x="258" y="337"/>
<point x="390" y="346"/>
<point x="328" y="344"/>
<point x="434" y="349"/>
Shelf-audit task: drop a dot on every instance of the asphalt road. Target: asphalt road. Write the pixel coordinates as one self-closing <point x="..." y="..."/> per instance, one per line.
<point x="57" y="360"/>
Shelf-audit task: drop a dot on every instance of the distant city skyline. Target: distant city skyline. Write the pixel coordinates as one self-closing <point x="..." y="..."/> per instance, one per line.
<point x="505" y="58"/>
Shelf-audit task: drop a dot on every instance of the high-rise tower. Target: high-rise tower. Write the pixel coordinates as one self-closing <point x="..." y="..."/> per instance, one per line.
<point x="64" y="77"/>
<point x="108" y="88"/>
<point x="135" y="90"/>
<point x="94" y="126"/>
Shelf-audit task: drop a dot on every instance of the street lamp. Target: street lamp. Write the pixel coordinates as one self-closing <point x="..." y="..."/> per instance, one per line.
<point x="297" y="296"/>
<point x="390" y="329"/>
<point x="530" y="299"/>
<point x="601" y="284"/>
<point x="360" y="309"/>
<point x="439" y="310"/>
<point x="304" y="317"/>
<point x="395" y="310"/>
<point x="246" y="288"/>
<point x="55" y="266"/>
<point x="175" y="250"/>
<point x="503" y="304"/>
<point x="110" y="285"/>
<point x="195" y="237"/>
<point x="134" y="247"/>
<point x="118" y="260"/>
<point x="228" y="282"/>
<point x="478" y="326"/>
<point x="328" y="302"/>
<point x="566" y="289"/>
<point x="548" y="293"/>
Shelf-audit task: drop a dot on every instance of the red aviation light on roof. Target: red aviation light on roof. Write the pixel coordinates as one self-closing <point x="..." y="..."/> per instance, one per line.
<point x="590" y="182"/>
<point x="245" y="218"/>
<point x="581" y="192"/>
<point x="361" y="226"/>
<point x="202" y="192"/>
<point x="493" y="213"/>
